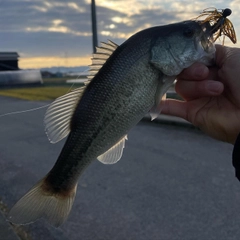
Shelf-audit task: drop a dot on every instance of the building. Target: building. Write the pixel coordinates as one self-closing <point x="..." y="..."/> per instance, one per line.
<point x="9" y="61"/>
<point x="11" y="75"/>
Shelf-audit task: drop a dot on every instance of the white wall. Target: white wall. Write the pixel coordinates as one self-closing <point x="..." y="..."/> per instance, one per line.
<point x="20" y="77"/>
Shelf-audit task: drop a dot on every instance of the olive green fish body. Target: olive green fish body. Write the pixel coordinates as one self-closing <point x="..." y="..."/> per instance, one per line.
<point x="106" y="112"/>
<point x="127" y="81"/>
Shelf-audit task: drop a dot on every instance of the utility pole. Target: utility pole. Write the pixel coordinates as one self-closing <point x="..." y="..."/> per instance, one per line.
<point x="94" y="26"/>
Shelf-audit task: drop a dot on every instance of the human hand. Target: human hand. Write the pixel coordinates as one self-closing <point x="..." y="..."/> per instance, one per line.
<point x="211" y="95"/>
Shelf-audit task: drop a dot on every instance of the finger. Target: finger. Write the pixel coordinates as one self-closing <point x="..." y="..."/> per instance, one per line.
<point x="221" y="54"/>
<point x="174" y="108"/>
<point x="213" y="73"/>
<point x="186" y="110"/>
<point x="183" y="109"/>
<point x="196" y="71"/>
<point x="198" y="89"/>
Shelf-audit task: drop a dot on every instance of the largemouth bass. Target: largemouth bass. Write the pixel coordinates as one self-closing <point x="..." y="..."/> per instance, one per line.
<point x="127" y="81"/>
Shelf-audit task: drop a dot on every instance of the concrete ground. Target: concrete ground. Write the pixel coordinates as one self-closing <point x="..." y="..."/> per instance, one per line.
<point x="172" y="183"/>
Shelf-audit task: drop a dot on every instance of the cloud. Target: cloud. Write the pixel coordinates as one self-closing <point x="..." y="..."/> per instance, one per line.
<point x="23" y="15"/>
<point x="124" y="26"/>
<point x="45" y="44"/>
<point x="46" y="28"/>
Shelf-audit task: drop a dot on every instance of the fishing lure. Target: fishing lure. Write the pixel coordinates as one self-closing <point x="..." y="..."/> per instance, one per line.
<point x="221" y="25"/>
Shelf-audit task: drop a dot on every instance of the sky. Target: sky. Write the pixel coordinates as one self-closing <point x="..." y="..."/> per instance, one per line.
<point x="49" y="33"/>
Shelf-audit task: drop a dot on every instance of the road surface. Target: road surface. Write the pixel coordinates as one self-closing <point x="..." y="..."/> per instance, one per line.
<point x="173" y="183"/>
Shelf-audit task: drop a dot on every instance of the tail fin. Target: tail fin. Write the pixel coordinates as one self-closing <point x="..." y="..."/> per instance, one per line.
<point x="41" y="203"/>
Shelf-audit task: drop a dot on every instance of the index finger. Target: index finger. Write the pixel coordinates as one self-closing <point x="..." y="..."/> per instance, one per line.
<point x="197" y="71"/>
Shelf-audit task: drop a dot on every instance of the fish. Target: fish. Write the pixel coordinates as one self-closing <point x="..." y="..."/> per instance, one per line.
<point x="126" y="82"/>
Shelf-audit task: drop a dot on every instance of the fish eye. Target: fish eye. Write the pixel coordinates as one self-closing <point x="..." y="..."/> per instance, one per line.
<point x="188" y="32"/>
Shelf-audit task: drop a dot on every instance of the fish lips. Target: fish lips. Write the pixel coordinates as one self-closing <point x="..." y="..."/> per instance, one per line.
<point x="206" y="38"/>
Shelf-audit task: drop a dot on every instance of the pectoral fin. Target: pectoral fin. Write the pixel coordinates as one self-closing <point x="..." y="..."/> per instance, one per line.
<point x="156" y="109"/>
<point x="114" y="154"/>
<point x="163" y="86"/>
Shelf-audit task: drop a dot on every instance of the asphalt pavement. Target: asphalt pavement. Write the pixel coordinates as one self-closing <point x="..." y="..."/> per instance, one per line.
<point x="172" y="183"/>
<point x="6" y="230"/>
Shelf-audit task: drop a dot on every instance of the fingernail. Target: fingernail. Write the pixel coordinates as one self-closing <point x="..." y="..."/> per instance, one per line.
<point x="214" y="87"/>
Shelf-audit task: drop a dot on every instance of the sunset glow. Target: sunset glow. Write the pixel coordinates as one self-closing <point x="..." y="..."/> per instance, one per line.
<point x="42" y="62"/>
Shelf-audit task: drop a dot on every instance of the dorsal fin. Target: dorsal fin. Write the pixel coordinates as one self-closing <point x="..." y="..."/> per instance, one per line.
<point x="100" y="57"/>
<point x="59" y="114"/>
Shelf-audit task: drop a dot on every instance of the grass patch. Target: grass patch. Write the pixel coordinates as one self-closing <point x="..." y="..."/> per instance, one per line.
<point x="36" y="93"/>
<point x="51" y="89"/>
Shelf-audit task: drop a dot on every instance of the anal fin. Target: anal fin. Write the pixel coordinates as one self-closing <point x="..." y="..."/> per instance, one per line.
<point x="156" y="109"/>
<point x="114" y="154"/>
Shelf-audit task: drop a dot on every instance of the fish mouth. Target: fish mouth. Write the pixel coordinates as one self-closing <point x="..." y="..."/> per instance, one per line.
<point x="206" y="37"/>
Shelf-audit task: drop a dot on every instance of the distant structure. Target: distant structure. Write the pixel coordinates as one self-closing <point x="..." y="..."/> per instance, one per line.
<point x="10" y="74"/>
<point x="9" y="61"/>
